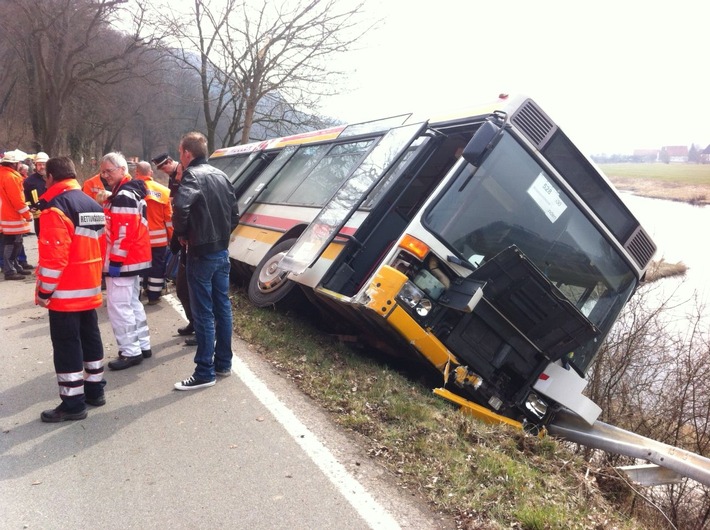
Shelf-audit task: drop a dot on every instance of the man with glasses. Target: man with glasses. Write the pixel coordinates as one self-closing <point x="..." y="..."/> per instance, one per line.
<point x="128" y="255"/>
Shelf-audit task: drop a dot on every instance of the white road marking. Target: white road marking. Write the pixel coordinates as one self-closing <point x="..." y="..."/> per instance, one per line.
<point x="368" y="508"/>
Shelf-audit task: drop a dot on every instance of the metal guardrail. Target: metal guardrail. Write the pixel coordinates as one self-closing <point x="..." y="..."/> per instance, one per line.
<point x="616" y="440"/>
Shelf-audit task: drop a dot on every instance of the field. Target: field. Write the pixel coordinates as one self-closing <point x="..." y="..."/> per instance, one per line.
<point x="678" y="182"/>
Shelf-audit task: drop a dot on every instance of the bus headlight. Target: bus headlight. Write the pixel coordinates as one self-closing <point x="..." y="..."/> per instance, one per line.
<point x="536" y="405"/>
<point x="423" y="307"/>
<point x="411" y="296"/>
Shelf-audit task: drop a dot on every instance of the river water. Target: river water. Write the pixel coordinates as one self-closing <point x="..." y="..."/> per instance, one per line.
<point x="679" y="231"/>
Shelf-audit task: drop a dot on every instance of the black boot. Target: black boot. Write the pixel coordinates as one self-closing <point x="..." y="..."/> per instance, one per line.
<point x="187" y="330"/>
<point x="61" y="414"/>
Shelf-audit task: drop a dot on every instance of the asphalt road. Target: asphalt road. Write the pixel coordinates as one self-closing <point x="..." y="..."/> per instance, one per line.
<point x="249" y="452"/>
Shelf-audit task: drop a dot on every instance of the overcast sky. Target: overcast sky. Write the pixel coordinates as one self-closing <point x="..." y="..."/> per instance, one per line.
<point x="616" y="75"/>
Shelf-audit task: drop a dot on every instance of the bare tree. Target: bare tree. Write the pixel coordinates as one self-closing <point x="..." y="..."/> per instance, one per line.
<point x="62" y="45"/>
<point x="653" y="377"/>
<point x="262" y="62"/>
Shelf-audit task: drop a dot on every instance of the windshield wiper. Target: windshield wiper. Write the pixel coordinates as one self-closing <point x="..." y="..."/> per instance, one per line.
<point x="458" y="261"/>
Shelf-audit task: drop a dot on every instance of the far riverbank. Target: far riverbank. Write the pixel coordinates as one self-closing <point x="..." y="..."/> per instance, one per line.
<point x="671" y="191"/>
<point x="689" y="183"/>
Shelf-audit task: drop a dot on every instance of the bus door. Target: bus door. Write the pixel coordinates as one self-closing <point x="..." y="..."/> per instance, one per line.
<point x="351" y="194"/>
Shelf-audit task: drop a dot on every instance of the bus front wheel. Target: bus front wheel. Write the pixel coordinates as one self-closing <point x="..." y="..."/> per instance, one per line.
<point x="269" y="285"/>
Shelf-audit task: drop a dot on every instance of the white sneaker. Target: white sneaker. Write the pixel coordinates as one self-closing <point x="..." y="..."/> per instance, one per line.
<point x="192" y="383"/>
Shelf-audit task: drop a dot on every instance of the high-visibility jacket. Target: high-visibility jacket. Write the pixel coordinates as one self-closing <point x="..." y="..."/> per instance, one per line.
<point x="127" y="238"/>
<point x="70" y="249"/>
<point x="160" y="212"/>
<point x="94" y="185"/>
<point x="14" y="213"/>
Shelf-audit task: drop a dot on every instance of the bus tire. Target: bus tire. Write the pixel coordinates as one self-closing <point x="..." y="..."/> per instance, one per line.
<point x="270" y="287"/>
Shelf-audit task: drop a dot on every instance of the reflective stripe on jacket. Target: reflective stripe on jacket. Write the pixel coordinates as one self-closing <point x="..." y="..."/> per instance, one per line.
<point x="127" y="238"/>
<point x="14" y="213"/>
<point x="70" y="249"/>
<point x="160" y="212"/>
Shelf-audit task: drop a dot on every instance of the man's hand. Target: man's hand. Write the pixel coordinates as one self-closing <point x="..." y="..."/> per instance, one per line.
<point x="102" y="196"/>
<point x="42" y="302"/>
<point x="114" y="270"/>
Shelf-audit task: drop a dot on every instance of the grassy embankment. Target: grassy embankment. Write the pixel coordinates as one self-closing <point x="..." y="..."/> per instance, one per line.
<point x="677" y="182"/>
<point x="482" y="476"/>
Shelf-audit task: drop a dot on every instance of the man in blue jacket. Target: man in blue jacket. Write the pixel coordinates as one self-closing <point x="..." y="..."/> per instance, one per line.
<point x="204" y="216"/>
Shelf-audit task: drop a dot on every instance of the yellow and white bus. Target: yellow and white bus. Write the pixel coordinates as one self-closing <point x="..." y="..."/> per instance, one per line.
<point x="485" y="243"/>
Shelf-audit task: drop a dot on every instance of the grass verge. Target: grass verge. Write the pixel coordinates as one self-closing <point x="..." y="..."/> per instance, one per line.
<point x="483" y="476"/>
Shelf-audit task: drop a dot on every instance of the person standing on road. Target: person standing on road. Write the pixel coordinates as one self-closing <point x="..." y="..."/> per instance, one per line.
<point x="127" y="257"/>
<point x="204" y="216"/>
<point x="173" y="170"/>
<point x="167" y="165"/>
<point x="181" y="288"/>
<point x="15" y="215"/>
<point x="160" y="225"/>
<point x="34" y="187"/>
<point x="69" y="286"/>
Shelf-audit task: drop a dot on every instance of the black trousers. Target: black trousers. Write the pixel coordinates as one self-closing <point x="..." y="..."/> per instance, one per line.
<point x="181" y="289"/>
<point x="11" y="251"/>
<point x="78" y="356"/>
<point x="154" y="278"/>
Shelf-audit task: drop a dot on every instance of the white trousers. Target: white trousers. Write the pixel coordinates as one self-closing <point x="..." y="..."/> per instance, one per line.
<point x="127" y="315"/>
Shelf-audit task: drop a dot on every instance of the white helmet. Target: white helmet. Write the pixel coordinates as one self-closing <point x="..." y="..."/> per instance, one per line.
<point x="41" y="157"/>
<point x="14" y="157"/>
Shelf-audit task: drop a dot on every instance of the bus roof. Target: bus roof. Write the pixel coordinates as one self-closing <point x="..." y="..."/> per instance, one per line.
<point x="333" y="132"/>
<point x="275" y="143"/>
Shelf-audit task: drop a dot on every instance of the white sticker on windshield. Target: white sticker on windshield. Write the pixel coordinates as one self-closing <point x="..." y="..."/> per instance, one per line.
<point x="547" y="198"/>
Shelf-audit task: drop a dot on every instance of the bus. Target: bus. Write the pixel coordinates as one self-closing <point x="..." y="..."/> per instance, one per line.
<point x="483" y="243"/>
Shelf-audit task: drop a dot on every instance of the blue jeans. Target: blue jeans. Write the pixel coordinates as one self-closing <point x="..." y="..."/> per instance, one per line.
<point x="208" y="283"/>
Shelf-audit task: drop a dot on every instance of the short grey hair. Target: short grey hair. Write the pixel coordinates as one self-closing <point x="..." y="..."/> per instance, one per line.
<point x="117" y="159"/>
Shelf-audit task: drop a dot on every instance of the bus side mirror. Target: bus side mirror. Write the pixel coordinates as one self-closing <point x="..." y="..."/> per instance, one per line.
<point x="480" y="143"/>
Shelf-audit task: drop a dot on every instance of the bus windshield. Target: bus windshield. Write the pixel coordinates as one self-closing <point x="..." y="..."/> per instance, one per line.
<point x="511" y="200"/>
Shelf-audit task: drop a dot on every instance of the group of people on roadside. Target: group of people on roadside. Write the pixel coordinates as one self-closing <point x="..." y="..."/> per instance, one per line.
<point x="17" y="190"/>
<point x="116" y="231"/>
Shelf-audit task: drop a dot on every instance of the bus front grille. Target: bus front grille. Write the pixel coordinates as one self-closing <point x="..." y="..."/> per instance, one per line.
<point x="534" y="123"/>
<point x="640" y="247"/>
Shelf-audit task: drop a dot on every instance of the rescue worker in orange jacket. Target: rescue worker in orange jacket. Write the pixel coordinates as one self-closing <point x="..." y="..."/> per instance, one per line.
<point x="160" y="225"/>
<point x="69" y="286"/>
<point x="15" y="215"/>
<point x="127" y="258"/>
<point x="94" y="185"/>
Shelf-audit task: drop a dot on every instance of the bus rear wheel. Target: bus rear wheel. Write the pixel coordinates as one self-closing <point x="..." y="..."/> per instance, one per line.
<point x="269" y="285"/>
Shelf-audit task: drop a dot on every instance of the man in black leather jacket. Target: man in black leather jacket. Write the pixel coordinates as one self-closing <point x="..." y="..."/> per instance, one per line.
<point x="204" y="216"/>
